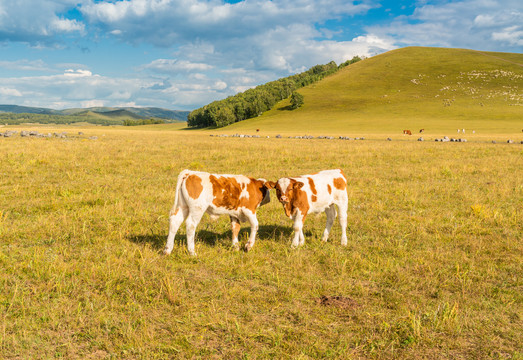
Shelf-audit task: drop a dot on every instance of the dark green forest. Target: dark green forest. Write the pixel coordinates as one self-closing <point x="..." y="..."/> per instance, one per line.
<point x="143" y="122"/>
<point x="254" y="102"/>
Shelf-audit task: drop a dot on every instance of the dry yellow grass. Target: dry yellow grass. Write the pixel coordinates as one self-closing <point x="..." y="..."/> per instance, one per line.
<point x="432" y="270"/>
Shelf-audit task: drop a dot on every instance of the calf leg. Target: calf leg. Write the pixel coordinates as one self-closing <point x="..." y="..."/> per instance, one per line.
<point x="254" y="229"/>
<point x="342" y="208"/>
<point x="302" y="236"/>
<point x="235" y="226"/>
<point x="299" y="238"/>
<point x="192" y="221"/>
<point x="331" y="215"/>
<point x="175" y="220"/>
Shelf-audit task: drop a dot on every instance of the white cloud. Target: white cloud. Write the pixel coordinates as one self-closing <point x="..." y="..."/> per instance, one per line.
<point x="127" y="104"/>
<point x="513" y="35"/>
<point x="66" y="25"/>
<point x="37" y="21"/>
<point x="175" y="66"/>
<point x="25" y="65"/>
<point x="72" y="89"/>
<point x="220" y="85"/>
<point x="9" y="92"/>
<point x="477" y="24"/>
<point x="483" y="20"/>
<point x="168" y="23"/>
<point x="92" y="103"/>
<point x="77" y="73"/>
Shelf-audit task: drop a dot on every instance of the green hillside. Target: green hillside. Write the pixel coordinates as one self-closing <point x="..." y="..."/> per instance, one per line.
<point x="94" y="112"/>
<point x="410" y="88"/>
<point x="120" y="114"/>
<point x="139" y="112"/>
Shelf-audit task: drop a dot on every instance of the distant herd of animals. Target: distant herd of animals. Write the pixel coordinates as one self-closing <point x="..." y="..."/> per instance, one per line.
<point x="408" y="132"/>
<point x="239" y="197"/>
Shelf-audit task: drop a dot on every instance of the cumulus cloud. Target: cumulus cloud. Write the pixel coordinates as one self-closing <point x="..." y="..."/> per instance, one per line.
<point x="513" y="35"/>
<point x="7" y="92"/>
<point x="174" y="66"/>
<point x="92" y="103"/>
<point x="66" y="25"/>
<point x="170" y="22"/>
<point x="476" y="24"/>
<point x="37" y="21"/>
<point x="77" y="73"/>
<point x="69" y="89"/>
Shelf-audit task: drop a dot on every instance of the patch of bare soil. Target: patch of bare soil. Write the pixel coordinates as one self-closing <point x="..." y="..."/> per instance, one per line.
<point x="342" y="302"/>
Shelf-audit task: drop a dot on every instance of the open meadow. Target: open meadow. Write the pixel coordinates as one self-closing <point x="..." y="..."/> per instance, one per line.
<point x="433" y="267"/>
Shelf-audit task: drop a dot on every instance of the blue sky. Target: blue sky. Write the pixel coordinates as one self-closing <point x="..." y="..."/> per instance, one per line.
<point x="182" y="54"/>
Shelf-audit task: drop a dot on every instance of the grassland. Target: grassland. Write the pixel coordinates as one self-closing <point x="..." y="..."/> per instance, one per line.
<point x="432" y="270"/>
<point x="410" y="88"/>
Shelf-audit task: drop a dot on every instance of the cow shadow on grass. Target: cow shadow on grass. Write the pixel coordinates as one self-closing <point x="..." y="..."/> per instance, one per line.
<point x="156" y="241"/>
<point x="265" y="233"/>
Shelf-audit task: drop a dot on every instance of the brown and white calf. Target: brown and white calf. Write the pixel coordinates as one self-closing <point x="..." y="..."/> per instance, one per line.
<point x="315" y="193"/>
<point x="199" y="192"/>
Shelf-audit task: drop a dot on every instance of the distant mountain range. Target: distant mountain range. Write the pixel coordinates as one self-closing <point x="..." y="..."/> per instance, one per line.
<point x="130" y="112"/>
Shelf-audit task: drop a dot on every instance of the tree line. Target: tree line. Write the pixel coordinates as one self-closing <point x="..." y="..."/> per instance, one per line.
<point x="17" y="119"/>
<point x="142" y="122"/>
<point x="23" y="118"/>
<point x="255" y="101"/>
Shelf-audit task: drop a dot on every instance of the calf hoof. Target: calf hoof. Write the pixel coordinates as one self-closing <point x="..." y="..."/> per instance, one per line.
<point x="247" y="247"/>
<point x="166" y="251"/>
<point x="192" y="253"/>
<point x="235" y="247"/>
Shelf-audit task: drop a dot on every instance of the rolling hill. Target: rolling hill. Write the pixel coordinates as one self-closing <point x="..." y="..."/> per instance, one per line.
<point x="138" y="112"/>
<point x="113" y="114"/>
<point x="16" y="109"/>
<point x="102" y="112"/>
<point x="415" y="87"/>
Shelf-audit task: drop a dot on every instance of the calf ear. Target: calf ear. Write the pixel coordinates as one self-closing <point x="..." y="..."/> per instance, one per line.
<point x="298" y="185"/>
<point x="270" y="184"/>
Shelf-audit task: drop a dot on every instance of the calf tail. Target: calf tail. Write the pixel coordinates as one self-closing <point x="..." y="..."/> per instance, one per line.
<point x="343" y="174"/>
<point x="181" y="177"/>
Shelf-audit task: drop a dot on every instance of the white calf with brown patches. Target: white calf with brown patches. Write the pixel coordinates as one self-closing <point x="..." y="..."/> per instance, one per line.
<point x="199" y="192"/>
<point x="315" y="193"/>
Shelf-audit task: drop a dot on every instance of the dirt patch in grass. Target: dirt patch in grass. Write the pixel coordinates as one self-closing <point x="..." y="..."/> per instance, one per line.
<point x="337" y="301"/>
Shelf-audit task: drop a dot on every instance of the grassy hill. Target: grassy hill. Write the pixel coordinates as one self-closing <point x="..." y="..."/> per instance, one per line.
<point x="438" y="89"/>
<point x="16" y="109"/>
<point x="97" y="113"/>
<point x="120" y="114"/>
<point x="138" y="112"/>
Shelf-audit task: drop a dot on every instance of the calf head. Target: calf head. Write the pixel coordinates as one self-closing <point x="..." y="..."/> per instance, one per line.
<point x="263" y="186"/>
<point x="290" y="195"/>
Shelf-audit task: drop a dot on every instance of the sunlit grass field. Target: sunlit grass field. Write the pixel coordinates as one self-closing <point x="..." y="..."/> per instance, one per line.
<point x="432" y="268"/>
